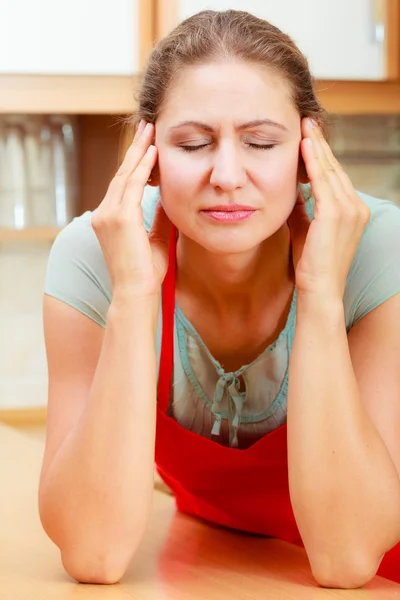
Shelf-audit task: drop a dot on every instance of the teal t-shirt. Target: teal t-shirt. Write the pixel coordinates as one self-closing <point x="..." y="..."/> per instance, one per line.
<point x="205" y="398"/>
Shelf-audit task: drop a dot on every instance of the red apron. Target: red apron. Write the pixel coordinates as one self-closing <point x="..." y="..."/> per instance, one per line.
<point x="245" y="489"/>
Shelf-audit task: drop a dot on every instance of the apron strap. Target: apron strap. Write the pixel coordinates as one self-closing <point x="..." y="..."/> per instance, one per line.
<point x="167" y="340"/>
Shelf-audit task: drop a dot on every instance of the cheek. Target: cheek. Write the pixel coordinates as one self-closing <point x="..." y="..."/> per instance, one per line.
<point x="280" y="170"/>
<point x="177" y="173"/>
<point x="280" y="184"/>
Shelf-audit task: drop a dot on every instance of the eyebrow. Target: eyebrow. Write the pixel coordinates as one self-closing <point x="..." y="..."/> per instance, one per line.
<point x="247" y="125"/>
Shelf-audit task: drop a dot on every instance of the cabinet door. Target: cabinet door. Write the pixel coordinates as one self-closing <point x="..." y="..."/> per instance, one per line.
<point x="70" y="37"/>
<point x="342" y="39"/>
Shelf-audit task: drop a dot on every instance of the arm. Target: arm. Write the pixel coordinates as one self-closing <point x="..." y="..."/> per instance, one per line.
<point x="97" y="477"/>
<point x="343" y="442"/>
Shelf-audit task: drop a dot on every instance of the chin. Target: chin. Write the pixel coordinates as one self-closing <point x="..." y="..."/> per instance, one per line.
<point x="229" y="242"/>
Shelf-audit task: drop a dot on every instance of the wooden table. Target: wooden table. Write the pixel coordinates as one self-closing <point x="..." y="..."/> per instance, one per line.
<point x="180" y="558"/>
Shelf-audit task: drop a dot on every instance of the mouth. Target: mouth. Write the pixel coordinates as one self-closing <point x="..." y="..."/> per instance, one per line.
<point x="228" y="216"/>
<point x="229" y="208"/>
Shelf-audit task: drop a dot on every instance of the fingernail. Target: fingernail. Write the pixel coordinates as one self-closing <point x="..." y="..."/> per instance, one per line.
<point x="312" y="122"/>
<point x="148" y="127"/>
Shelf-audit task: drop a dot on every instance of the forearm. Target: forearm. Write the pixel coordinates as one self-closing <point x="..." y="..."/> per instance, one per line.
<point x="344" y="487"/>
<point x="97" y="492"/>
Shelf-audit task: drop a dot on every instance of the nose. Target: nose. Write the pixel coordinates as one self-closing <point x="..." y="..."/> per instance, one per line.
<point x="228" y="172"/>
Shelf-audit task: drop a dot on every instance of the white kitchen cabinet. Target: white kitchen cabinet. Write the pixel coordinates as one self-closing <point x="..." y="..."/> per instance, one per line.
<point x="71" y="37"/>
<point x="342" y="39"/>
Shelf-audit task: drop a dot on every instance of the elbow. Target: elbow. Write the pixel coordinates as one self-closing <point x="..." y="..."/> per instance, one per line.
<point x="89" y="558"/>
<point x="344" y="574"/>
<point x="96" y="568"/>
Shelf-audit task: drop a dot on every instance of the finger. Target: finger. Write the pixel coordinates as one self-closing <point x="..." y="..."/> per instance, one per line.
<point x="133" y="192"/>
<point x="326" y="169"/>
<point x="316" y="173"/>
<point x="136" y="152"/>
<point x="132" y="159"/>
<point x="315" y="133"/>
<point x="339" y="180"/>
<point x="344" y="178"/>
<point x="299" y="223"/>
<point x="341" y="184"/>
<point x="161" y="227"/>
<point x="343" y="192"/>
<point x="139" y="129"/>
<point x="350" y="195"/>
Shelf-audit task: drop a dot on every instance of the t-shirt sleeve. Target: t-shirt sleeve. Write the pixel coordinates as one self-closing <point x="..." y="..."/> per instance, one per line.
<point x="76" y="270"/>
<point x="374" y="275"/>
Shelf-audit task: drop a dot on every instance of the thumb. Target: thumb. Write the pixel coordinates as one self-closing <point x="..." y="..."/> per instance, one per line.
<point x="161" y="228"/>
<point x="159" y="238"/>
<point x="299" y="223"/>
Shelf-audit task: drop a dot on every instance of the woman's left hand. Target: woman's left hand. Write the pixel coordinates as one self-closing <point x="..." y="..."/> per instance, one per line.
<point x="324" y="248"/>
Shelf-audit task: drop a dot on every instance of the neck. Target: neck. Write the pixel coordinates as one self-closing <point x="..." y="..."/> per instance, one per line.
<point x="236" y="283"/>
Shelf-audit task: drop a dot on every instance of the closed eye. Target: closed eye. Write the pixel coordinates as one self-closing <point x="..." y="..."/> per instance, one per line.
<point x="193" y="148"/>
<point x="255" y="146"/>
<point x="262" y="146"/>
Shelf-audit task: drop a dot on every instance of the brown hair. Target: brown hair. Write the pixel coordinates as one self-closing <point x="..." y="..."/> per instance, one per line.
<point x="211" y="35"/>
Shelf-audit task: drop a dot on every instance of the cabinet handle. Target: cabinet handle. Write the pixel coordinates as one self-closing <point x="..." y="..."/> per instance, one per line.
<point x="378" y="18"/>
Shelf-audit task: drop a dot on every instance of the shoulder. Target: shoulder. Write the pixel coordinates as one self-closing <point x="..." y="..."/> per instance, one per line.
<point x="76" y="270"/>
<point x="382" y="233"/>
<point x="374" y="275"/>
<point x="77" y="243"/>
<point x="383" y="224"/>
<point x="382" y="211"/>
<point x="79" y="232"/>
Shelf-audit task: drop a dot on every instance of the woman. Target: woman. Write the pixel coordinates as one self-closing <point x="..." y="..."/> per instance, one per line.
<point x="190" y="311"/>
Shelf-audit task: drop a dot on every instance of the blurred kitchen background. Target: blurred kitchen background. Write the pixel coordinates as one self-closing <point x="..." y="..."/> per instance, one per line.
<point x="69" y="75"/>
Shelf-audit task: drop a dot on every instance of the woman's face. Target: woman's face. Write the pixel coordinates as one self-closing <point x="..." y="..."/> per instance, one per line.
<point x="228" y="132"/>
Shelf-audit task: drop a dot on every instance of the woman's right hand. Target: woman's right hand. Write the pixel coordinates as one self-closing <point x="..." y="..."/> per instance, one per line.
<point x="137" y="261"/>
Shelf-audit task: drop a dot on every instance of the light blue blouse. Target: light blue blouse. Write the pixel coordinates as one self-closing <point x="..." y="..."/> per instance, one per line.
<point x="206" y="399"/>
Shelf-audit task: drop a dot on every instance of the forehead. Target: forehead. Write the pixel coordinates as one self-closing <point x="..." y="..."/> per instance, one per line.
<point x="236" y="91"/>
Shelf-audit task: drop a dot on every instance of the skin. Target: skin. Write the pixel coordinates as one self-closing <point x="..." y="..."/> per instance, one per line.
<point x="238" y="268"/>
<point x="342" y="431"/>
<point x="342" y="552"/>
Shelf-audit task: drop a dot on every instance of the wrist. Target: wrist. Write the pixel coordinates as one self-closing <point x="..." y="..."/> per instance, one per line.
<point x="131" y="294"/>
<point x="128" y="305"/>
<point x="319" y="306"/>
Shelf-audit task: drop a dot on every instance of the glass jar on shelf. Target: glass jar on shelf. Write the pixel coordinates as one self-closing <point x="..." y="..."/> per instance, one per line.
<point x="39" y="166"/>
<point x="13" y="175"/>
<point x="65" y="167"/>
<point x="38" y="170"/>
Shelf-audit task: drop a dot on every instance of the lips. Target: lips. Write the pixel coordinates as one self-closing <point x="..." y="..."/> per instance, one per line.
<point x="228" y="216"/>
<point x="229" y="208"/>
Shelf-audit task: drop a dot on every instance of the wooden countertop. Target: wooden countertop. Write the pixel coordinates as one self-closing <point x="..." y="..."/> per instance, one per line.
<point x="180" y="558"/>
